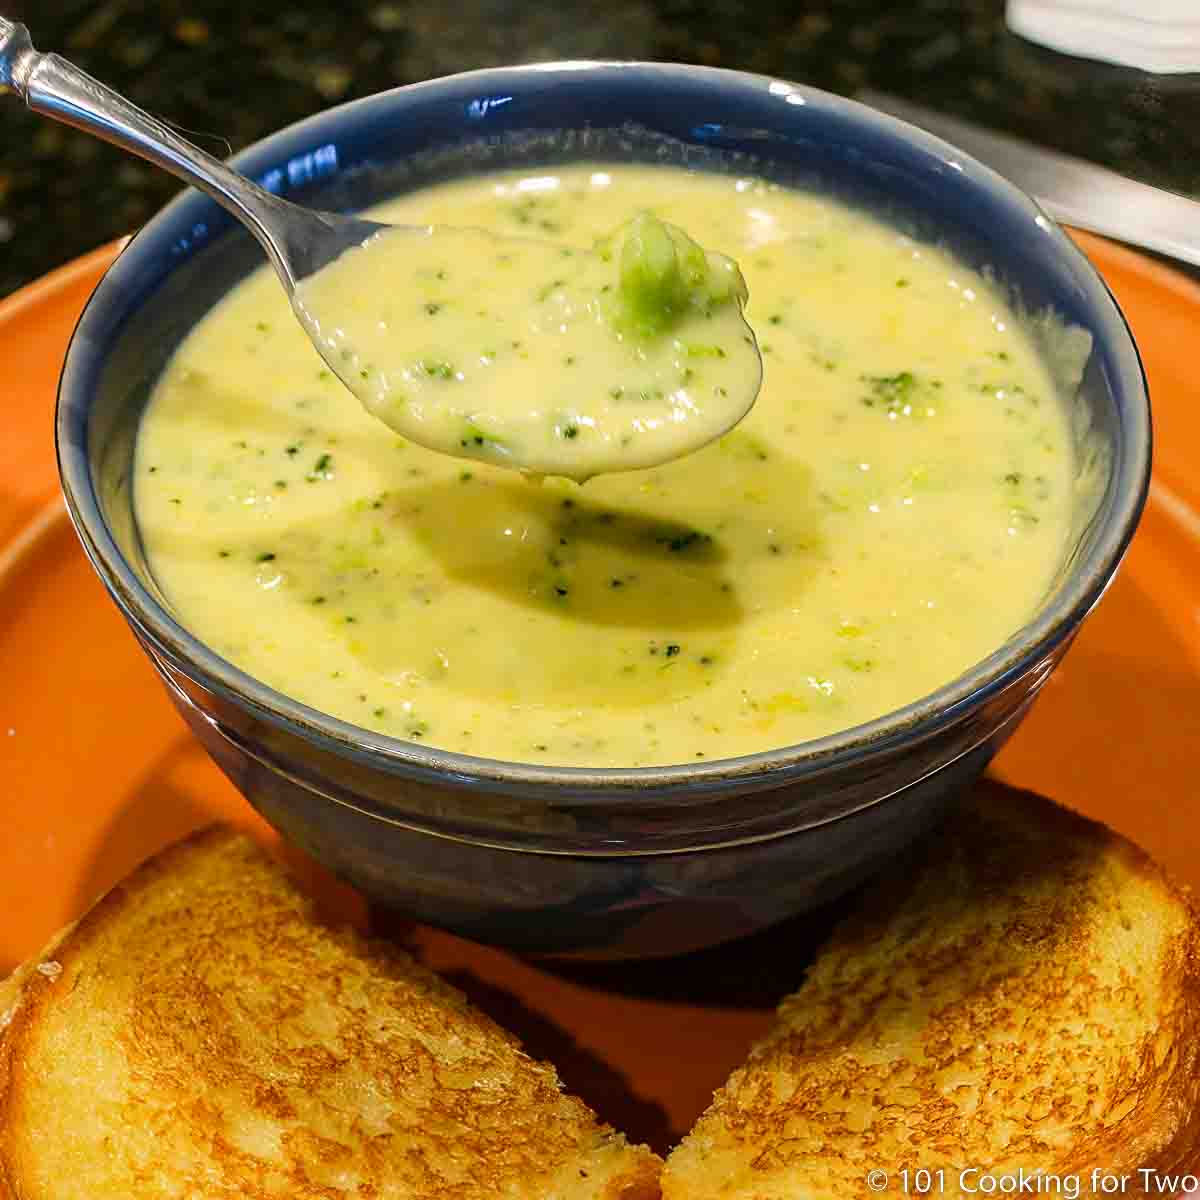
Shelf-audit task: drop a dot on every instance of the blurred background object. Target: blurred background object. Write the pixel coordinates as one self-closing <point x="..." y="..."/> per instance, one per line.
<point x="1158" y="35"/>
<point x="228" y="73"/>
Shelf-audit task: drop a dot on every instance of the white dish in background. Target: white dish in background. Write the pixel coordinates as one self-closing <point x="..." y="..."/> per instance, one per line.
<point x="1162" y="36"/>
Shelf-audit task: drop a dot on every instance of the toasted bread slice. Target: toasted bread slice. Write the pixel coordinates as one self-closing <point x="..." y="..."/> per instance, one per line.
<point x="199" y="1034"/>
<point x="1021" y="994"/>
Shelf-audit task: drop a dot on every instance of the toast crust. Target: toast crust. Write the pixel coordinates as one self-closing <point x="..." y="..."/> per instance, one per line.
<point x="199" y="1034"/>
<point x="1022" y="992"/>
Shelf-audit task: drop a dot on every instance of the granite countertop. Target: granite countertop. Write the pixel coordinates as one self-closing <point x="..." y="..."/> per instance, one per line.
<point x="230" y="72"/>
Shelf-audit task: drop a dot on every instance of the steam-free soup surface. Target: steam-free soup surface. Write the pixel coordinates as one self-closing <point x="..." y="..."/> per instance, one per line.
<point x="892" y="508"/>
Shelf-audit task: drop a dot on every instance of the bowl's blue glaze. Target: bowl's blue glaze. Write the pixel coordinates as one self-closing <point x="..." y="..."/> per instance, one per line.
<point x="570" y="860"/>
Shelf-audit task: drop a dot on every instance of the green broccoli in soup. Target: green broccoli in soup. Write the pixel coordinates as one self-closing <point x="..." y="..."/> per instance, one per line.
<point x="664" y="277"/>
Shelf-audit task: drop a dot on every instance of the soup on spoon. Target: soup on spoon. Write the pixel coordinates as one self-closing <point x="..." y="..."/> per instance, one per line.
<point x="528" y="354"/>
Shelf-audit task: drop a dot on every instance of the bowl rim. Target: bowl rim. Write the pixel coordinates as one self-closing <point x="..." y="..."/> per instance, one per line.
<point x="1086" y="581"/>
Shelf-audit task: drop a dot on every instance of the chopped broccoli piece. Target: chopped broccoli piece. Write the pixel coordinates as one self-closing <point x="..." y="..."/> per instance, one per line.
<point x="663" y="275"/>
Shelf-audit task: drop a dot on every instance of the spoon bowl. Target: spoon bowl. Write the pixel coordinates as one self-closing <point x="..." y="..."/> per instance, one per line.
<point x="525" y="353"/>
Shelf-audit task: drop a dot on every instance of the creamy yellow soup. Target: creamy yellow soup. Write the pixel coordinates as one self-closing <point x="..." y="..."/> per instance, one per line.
<point x="537" y="355"/>
<point x="892" y="508"/>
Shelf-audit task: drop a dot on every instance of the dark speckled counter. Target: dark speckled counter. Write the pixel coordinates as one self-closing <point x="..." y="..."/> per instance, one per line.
<point x="230" y="72"/>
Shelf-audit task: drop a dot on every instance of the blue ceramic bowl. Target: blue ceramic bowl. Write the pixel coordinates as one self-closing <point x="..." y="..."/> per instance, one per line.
<point x="581" y="861"/>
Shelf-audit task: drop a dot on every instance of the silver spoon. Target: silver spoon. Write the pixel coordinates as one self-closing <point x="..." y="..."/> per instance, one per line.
<point x="557" y="433"/>
<point x="297" y="241"/>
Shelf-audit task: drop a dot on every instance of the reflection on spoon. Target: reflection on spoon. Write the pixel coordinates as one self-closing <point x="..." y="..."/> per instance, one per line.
<point x="535" y="356"/>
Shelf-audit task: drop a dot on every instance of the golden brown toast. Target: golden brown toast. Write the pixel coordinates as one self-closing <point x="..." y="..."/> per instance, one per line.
<point x="199" y="1034"/>
<point x="1021" y="993"/>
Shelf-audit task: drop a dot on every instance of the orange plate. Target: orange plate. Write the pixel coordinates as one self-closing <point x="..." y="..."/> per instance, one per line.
<point x="100" y="772"/>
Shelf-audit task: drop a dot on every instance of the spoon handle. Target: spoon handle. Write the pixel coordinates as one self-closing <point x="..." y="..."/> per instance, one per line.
<point x="56" y="88"/>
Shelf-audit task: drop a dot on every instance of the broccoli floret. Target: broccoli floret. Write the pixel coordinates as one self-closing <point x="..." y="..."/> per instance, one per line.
<point x="664" y="276"/>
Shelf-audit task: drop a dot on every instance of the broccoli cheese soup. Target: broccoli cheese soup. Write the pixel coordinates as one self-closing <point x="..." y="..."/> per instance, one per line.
<point x="894" y="505"/>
